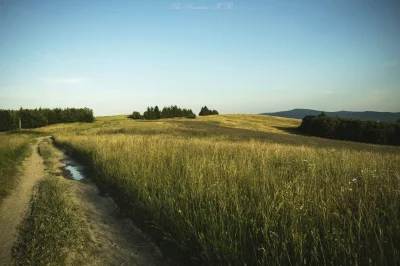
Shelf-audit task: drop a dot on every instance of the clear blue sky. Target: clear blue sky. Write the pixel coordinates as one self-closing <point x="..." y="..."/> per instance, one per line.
<point x="241" y="57"/>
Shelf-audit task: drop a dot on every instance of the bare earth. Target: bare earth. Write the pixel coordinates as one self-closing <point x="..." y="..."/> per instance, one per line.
<point x="14" y="207"/>
<point x="112" y="239"/>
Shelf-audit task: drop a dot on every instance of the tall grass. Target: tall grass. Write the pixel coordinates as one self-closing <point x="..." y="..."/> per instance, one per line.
<point x="13" y="149"/>
<point x="254" y="203"/>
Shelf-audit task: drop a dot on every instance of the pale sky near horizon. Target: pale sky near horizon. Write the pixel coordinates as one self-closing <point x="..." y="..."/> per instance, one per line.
<point x="237" y="57"/>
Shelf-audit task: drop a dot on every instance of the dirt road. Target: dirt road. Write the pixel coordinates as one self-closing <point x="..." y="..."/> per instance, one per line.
<point x="112" y="240"/>
<point x="14" y="207"/>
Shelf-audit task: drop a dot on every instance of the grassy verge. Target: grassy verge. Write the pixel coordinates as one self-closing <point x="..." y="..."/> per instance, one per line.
<point x="53" y="233"/>
<point x="251" y="202"/>
<point x="13" y="149"/>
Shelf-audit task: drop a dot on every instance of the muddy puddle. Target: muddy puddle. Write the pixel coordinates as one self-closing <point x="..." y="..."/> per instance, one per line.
<point x="73" y="169"/>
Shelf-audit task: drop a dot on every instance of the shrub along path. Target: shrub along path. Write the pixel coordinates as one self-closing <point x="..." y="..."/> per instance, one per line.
<point x="14" y="207"/>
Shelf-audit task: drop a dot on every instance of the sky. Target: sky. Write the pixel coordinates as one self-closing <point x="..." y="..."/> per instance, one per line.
<point x="250" y="56"/>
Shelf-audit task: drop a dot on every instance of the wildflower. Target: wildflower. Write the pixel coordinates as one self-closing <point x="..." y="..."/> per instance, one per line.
<point x="301" y="207"/>
<point x="354" y="180"/>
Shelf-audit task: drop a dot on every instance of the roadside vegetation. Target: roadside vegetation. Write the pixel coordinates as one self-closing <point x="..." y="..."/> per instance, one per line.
<point x="224" y="195"/>
<point x="53" y="232"/>
<point x="13" y="149"/>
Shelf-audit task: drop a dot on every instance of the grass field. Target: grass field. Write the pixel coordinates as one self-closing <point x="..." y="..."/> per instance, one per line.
<point x="13" y="149"/>
<point x="223" y="191"/>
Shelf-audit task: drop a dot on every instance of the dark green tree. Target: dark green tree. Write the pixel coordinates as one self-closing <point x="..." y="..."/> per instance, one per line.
<point x="157" y="113"/>
<point x="205" y="111"/>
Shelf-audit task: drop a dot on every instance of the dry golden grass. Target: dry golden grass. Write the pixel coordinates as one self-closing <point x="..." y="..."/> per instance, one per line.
<point x="254" y="122"/>
<point x="259" y="123"/>
<point x="230" y="190"/>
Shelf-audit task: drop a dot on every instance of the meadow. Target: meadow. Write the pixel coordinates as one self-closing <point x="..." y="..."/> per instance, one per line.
<point x="246" y="190"/>
<point x="13" y="149"/>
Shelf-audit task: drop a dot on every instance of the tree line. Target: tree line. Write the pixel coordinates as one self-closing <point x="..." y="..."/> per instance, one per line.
<point x="33" y="118"/>
<point x="205" y="111"/>
<point x="154" y="113"/>
<point x="366" y="131"/>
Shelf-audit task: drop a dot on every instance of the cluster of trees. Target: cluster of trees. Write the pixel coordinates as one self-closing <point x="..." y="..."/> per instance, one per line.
<point x="153" y="113"/>
<point x="205" y="111"/>
<point x="33" y="118"/>
<point x="352" y="129"/>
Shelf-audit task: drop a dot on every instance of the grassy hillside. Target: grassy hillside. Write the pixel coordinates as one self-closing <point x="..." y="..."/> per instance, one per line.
<point x="254" y="122"/>
<point x="238" y="189"/>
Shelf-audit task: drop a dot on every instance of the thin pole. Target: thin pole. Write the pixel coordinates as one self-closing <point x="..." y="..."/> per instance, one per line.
<point x="20" y="124"/>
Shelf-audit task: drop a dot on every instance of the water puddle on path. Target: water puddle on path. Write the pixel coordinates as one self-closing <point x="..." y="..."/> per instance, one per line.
<point x="73" y="169"/>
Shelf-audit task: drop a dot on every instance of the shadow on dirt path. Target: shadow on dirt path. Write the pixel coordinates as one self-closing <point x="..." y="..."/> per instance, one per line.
<point x="14" y="207"/>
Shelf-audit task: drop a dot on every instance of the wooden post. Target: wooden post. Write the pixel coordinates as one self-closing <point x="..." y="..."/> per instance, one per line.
<point x="20" y="124"/>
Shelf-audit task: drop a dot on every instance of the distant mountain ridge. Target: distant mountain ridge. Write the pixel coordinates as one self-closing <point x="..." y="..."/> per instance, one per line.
<point x="367" y="115"/>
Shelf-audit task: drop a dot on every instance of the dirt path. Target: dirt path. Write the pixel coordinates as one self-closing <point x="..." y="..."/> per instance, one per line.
<point x="112" y="240"/>
<point x="14" y="207"/>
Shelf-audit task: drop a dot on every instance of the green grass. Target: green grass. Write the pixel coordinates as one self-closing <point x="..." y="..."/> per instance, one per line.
<point x="13" y="149"/>
<point x="234" y="196"/>
<point x="53" y="232"/>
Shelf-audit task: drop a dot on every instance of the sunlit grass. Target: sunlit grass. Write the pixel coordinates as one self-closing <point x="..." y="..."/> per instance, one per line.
<point x="251" y="202"/>
<point x="250" y="122"/>
<point x="255" y="122"/>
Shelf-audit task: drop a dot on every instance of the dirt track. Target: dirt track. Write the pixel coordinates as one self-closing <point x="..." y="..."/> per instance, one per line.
<point x="14" y="207"/>
<point x="112" y="240"/>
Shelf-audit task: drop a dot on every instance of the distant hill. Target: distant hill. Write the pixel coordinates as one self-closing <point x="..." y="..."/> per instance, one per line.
<point x="367" y="115"/>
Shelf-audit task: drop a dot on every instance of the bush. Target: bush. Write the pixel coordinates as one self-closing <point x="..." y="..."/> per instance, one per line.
<point x="191" y="116"/>
<point x="135" y="115"/>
